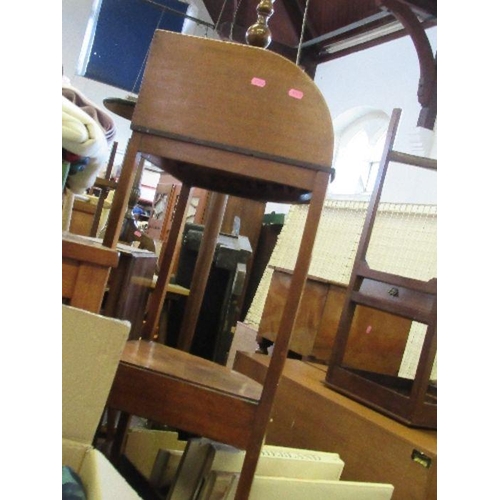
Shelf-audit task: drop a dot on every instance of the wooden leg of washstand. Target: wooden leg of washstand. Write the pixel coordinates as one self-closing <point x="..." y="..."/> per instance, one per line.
<point x="280" y="349"/>
<point x="201" y="271"/>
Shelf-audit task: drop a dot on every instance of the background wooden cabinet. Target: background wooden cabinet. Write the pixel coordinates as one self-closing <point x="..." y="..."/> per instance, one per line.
<point x="378" y="339"/>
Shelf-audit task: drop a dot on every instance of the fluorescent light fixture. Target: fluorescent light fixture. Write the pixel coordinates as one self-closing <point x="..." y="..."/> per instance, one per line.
<point x="387" y="29"/>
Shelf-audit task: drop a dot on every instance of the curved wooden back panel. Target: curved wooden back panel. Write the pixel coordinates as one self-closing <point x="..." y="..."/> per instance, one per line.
<point x="233" y="97"/>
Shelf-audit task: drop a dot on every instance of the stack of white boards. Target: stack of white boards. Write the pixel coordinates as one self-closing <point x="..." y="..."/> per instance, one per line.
<point x="208" y="470"/>
<point x="155" y="454"/>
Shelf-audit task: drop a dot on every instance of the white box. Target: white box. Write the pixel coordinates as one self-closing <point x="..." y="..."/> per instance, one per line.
<point x="91" y="348"/>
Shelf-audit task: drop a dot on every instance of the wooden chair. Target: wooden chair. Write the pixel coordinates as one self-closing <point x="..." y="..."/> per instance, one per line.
<point x="236" y="120"/>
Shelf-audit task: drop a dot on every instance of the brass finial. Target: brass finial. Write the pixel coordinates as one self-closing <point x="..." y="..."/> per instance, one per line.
<point x="259" y="34"/>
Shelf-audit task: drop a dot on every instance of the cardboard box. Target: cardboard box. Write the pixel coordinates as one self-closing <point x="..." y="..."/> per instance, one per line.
<point x="91" y="350"/>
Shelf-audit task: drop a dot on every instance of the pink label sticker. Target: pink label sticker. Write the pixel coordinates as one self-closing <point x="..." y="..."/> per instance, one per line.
<point x="296" y="94"/>
<point x="369" y="329"/>
<point x="258" y="82"/>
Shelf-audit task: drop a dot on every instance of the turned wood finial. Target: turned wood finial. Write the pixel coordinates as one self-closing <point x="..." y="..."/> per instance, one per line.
<point x="259" y="34"/>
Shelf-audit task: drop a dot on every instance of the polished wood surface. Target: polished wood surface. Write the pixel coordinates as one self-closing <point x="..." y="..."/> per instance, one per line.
<point x="169" y="386"/>
<point x="374" y="447"/>
<point x="180" y="405"/>
<point x="238" y="101"/>
<point x="179" y="364"/>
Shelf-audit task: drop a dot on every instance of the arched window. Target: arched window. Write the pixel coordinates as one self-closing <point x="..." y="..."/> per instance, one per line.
<point x="359" y="140"/>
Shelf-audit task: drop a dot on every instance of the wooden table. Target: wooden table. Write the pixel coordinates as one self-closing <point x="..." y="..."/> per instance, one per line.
<point x="375" y="448"/>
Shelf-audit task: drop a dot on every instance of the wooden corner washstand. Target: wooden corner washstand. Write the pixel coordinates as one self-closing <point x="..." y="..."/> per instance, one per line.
<point x="236" y="120"/>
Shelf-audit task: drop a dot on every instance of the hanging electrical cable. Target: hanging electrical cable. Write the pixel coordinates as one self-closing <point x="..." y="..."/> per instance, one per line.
<point x="220" y="16"/>
<point x="145" y="57"/>
<point x="234" y="20"/>
<point x="301" y="40"/>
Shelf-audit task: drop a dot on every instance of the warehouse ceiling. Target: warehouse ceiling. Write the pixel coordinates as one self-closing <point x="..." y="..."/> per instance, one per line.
<point x="329" y="29"/>
<point x="311" y="32"/>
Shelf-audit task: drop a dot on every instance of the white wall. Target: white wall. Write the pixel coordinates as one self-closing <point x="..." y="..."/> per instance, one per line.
<point x="384" y="77"/>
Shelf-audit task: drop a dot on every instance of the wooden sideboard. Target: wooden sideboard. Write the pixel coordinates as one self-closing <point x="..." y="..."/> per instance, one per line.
<point x="378" y="340"/>
<point x="375" y="448"/>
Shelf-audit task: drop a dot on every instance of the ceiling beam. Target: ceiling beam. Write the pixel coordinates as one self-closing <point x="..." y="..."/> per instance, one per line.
<point x="295" y="12"/>
<point x="345" y="29"/>
<point x="427" y="85"/>
<point x="422" y="7"/>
